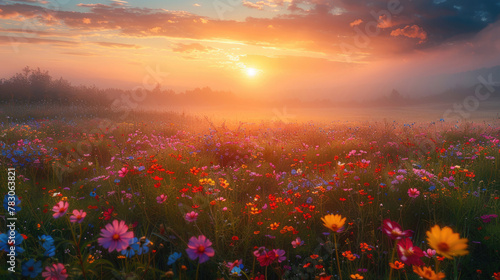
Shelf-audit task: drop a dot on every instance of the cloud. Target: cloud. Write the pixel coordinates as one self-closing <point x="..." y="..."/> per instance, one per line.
<point x="32" y="1"/>
<point x="258" y="5"/>
<point x="4" y="40"/>
<point x="413" y="31"/>
<point x="356" y="22"/>
<point x="117" y="45"/>
<point x="187" y="48"/>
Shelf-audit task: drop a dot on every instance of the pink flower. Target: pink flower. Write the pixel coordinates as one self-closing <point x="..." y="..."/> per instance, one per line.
<point x="412" y="192"/>
<point x="191" y="216"/>
<point x="55" y="272"/>
<point x="409" y="254"/>
<point x="161" y="198"/>
<point x="122" y="172"/>
<point x="60" y="209"/>
<point x="199" y="248"/>
<point x="78" y="216"/>
<point x="487" y="218"/>
<point x="297" y="242"/>
<point x="115" y="236"/>
<point x="394" y="230"/>
<point x="234" y="264"/>
<point x="430" y="253"/>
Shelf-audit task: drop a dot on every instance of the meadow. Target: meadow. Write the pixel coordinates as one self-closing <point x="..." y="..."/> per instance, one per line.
<point x="164" y="195"/>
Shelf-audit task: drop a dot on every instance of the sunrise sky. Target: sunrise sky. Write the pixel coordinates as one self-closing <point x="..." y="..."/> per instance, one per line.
<point x="297" y="48"/>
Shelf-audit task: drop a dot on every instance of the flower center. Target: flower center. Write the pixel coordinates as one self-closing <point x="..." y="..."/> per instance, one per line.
<point x="335" y="227"/>
<point x="30" y="268"/>
<point x="78" y="217"/>
<point x="61" y="210"/>
<point x="443" y="247"/>
<point x="201" y="249"/>
<point x="116" y="236"/>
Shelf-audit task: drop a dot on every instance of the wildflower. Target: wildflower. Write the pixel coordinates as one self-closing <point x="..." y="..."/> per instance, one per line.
<point x="122" y="172"/>
<point x="297" y="242"/>
<point x="394" y="230"/>
<point x="274" y="226"/>
<point x="428" y="273"/>
<point x="430" y="253"/>
<point x="13" y="202"/>
<point x="173" y="258"/>
<point x="446" y="242"/>
<point x="413" y="192"/>
<point x="131" y="248"/>
<point x="115" y="236"/>
<point x="260" y="251"/>
<point x="55" y="272"/>
<point x="31" y="268"/>
<point x="496" y="275"/>
<point x="143" y="246"/>
<point x="6" y="242"/>
<point x="397" y="265"/>
<point x="78" y="216"/>
<point x="409" y="254"/>
<point x="487" y="218"/>
<point x="236" y="263"/>
<point x="161" y="198"/>
<point x="46" y="240"/>
<point x="334" y="222"/>
<point x="280" y="254"/>
<point x="191" y="216"/>
<point x="107" y="213"/>
<point x="200" y="248"/>
<point x="266" y="259"/>
<point x="60" y="209"/>
<point x="356" y="276"/>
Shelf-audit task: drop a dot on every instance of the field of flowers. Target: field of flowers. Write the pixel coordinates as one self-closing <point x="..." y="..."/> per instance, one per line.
<point x="168" y="196"/>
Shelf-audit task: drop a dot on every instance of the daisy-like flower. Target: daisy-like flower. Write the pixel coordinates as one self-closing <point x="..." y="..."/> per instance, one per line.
<point x="430" y="253"/>
<point x="78" y="216"/>
<point x="280" y="254"/>
<point x="55" y="272"/>
<point x="60" y="209"/>
<point x="447" y="243"/>
<point x="122" y="172"/>
<point x="199" y="248"/>
<point x="409" y="254"/>
<point x="31" y="268"/>
<point x="427" y="273"/>
<point x="267" y="258"/>
<point x="413" y="192"/>
<point x="297" y="242"/>
<point x="191" y="216"/>
<point x="334" y="222"/>
<point x="394" y="230"/>
<point x="161" y="198"/>
<point x="397" y="265"/>
<point x="115" y="236"/>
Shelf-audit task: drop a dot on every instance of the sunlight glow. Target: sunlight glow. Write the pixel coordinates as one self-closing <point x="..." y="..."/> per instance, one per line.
<point x="251" y="72"/>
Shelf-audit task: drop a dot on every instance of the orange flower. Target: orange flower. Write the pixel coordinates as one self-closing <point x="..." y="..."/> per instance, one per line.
<point x="397" y="265"/>
<point x="447" y="243"/>
<point x="356" y="276"/>
<point x="428" y="273"/>
<point x="274" y="226"/>
<point x="334" y="222"/>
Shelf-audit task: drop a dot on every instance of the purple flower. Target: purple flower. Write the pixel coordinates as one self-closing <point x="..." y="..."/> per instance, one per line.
<point x="487" y="218"/>
<point x="191" y="216"/>
<point x="280" y="254"/>
<point x="199" y="248"/>
<point x="161" y="198"/>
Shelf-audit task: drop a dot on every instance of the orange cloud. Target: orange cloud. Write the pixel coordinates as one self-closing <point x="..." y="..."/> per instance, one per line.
<point x="117" y="45"/>
<point x="187" y="48"/>
<point x="356" y="22"/>
<point x="413" y="31"/>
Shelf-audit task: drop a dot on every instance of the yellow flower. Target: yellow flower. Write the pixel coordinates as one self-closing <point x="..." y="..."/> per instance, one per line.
<point x="428" y="273"/>
<point x="447" y="243"/>
<point x="334" y="222"/>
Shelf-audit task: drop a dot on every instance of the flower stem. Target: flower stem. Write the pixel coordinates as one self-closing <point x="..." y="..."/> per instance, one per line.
<point x="197" y="270"/>
<point x="337" y="254"/>
<point x="392" y="261"/>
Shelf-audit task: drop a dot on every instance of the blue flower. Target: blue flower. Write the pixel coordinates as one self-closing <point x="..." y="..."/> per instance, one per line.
<point x="31" y="268"/>
<point x="173" y="258"/>
<point x="431" y="188"/>
<point x="236" y="271"/>
<point x="6" y="243"/>
<point x="46" y="240"/>
<point x="143" y="246"/>
<point x="50" y="251"/>
<point x="133" y="246"/>
<point x="16" y="201"/>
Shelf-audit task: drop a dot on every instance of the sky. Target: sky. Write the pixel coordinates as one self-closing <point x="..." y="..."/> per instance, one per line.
<point x="256" y="48"/>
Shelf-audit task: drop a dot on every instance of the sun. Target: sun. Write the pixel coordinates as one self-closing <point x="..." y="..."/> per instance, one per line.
<point x="251" y="72"/>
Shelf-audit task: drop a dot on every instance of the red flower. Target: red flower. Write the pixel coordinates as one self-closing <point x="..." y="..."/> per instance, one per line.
<point x="266" y="259"/>
<point x="409" y="254"/>
<point x="394" y="230"/>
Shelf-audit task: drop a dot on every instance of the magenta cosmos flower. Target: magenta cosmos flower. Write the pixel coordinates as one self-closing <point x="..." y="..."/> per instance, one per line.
<point x="412" y="192"/>
<point x="55" y="272"/>
<point x="199" y="248"/>
<point x="115" y="236"/>
<point x="409" y="254"/>
<point x="191" y="216"/>
<point x="394" y="230"/>
<point x="78" y="216"/>
<point x="122" y="172"/>
<point x="60" y="209"/>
